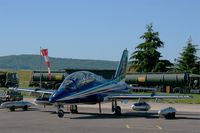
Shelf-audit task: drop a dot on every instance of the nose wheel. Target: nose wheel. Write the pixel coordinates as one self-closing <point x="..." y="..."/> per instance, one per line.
<point x="60" y="113"/>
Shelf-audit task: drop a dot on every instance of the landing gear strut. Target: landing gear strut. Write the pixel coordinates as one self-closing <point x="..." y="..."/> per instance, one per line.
<point x="99" y="107"/>
<point x="115" y="108"/>
<point x="73" y="109"/>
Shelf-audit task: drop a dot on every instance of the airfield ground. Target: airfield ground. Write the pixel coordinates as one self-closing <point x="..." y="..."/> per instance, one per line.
<point x="88" y="120"/>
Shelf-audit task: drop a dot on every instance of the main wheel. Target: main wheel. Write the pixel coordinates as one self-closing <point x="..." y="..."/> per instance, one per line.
<point x="12" y="108"/>
<point x="172" y="115"/>
<point x="118" y="110"/>
<point x="60" y="113"/>
<point x="25" y="108"/>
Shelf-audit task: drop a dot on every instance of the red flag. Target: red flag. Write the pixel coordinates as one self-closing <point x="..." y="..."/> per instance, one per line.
<point x="47" y="61"/>
<point x="44" y="52"/>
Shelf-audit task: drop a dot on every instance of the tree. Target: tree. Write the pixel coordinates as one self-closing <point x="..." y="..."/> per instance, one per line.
<point x="188" y="61"/>
<point x="163" y="66"/>
<point x="146" y="57"/>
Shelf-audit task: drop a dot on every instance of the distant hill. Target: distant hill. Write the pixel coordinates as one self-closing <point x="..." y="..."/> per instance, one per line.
<point x="32" y="62"/>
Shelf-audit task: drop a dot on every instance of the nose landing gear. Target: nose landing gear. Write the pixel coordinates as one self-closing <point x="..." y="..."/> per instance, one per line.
<point x="73" y="109"/>
<point x="116" y="109"/>
<point x="60" y="112"/>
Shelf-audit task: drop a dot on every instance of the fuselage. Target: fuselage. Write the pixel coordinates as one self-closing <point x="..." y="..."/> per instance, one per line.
<point x="86" y="87"/>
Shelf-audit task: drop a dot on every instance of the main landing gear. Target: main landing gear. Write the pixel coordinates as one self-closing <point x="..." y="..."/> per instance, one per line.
<point x="73" y="109"/>
<point x="60" y="113"/>
<point x="115" y="108"/>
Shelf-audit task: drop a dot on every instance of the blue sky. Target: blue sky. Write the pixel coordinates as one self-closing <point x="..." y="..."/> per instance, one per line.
<point x="95" y="29"/>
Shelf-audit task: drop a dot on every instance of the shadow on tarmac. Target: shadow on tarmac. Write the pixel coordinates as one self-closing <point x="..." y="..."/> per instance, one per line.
<point x="125" y="115"/>
<point x="187" y="116"/>
<point x="130" y="115"/>
<point x="21" y="110"/>
<point x="86" y="115"/>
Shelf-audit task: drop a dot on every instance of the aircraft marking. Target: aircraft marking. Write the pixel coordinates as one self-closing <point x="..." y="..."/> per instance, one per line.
<point x="128" y="126"/>
<point x="159" y="127"/>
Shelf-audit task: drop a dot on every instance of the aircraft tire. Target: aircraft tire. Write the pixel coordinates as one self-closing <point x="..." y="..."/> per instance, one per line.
<point x="118" y="110"/>
<point x="12" y="108"/>
<point x="173" y="115"/>
<point x="170" y="116"/>
<point x="60" y="113"/>
<point x="25" y="108"/>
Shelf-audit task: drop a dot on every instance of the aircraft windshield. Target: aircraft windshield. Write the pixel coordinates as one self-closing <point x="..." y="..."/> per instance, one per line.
<point x="78" y="79"/>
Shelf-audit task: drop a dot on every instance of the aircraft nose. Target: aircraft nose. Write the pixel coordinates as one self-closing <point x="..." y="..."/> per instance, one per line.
<point x="52" y="98"/>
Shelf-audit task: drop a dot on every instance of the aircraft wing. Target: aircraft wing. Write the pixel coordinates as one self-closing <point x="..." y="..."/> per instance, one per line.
<point x="37" y="90"/>
<point x="147" y="96"/>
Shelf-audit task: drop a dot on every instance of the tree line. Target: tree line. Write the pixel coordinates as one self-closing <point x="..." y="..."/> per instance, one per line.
<point x="146" y="57"/>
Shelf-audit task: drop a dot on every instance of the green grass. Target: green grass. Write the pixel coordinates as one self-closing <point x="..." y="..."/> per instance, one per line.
<point x="24" y="78"/>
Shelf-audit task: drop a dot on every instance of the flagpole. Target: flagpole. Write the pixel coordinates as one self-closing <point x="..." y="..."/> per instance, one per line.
<point x="40" y="69"/>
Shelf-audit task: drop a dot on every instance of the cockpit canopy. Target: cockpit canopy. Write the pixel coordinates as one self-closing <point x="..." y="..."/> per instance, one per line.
<point x="78" y="79"/>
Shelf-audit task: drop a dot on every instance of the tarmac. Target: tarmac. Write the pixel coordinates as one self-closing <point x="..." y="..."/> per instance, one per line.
<point x="44" y="120"/>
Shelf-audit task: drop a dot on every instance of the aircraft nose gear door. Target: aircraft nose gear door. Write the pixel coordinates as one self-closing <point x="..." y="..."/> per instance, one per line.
<point x="115" y="108"/>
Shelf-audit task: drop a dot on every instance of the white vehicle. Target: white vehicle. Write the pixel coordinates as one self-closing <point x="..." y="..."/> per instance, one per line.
<point x="168" y="113"/>
<point x="16" y="104"/>
<point x="141" y="106"/>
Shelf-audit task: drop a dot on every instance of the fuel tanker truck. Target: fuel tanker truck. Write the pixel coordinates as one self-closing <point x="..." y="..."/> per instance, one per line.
<point x="151" y="79"/>
<point x="166" y="81"/>
<point x="46" y="82"/>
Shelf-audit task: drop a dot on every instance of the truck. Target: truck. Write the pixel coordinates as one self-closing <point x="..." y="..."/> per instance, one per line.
<point x="8" y="79"/>
<point x="167" y="82"/>
<point x="10" y="95"/>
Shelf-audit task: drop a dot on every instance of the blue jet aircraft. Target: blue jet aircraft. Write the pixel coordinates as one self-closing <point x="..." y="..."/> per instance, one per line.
<point x="84" y="87"/>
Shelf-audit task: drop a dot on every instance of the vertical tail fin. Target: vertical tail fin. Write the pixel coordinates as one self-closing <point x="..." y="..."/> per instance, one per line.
<point x="122" y="67"/>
